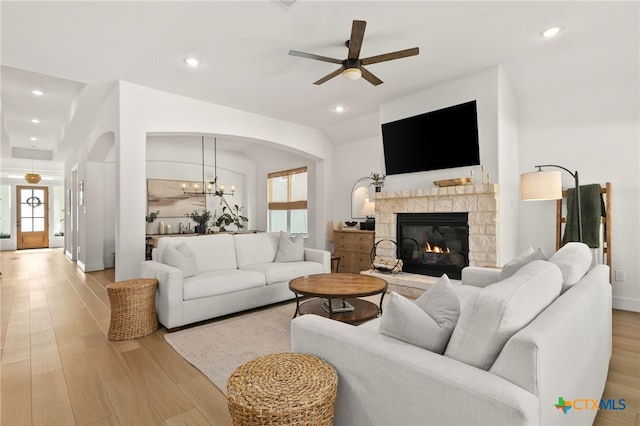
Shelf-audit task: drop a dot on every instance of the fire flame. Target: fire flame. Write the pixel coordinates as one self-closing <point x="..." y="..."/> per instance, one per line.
<point x="434" y="249"/>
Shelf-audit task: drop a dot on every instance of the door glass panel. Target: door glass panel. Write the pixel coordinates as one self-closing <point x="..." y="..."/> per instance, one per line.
<point x="38" y="225"/>
<point x="25" y="210"/>
<point x="32" y="210"/>
<point x="38" y="211"/>
<point x="27" y="225"/>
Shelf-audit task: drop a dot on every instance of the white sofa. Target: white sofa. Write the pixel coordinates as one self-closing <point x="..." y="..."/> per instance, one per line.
<point x="203" y="277"/>
<point x="562" y="352"/>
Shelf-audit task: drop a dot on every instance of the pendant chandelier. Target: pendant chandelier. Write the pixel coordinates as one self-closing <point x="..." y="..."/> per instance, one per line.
<point x="33" y="178"/>
<point x="211" y="188"/>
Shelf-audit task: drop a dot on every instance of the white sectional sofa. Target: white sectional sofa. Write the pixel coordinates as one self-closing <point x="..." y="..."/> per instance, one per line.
<point x="518" y="345"/>
<point x="202" y="277"/>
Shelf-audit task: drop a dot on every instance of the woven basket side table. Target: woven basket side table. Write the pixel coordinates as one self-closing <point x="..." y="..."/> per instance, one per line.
<point x="133" y="310"/>
<point x="283" y="389"/>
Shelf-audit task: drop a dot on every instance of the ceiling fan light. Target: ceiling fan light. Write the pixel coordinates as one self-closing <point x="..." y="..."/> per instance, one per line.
<point x="352" y="73"/>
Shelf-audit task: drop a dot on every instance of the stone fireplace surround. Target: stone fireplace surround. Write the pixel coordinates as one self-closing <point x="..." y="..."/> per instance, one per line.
<point x="480" y="201"/>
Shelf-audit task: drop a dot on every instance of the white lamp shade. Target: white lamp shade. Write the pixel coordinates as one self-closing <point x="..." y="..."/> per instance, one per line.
<point x="369" y="209"/>
<point x="352" y="73"/>
<point x="541" y="185"/>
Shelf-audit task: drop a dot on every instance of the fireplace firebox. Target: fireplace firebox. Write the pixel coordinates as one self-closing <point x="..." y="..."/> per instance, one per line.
<point x="433" y="243"/>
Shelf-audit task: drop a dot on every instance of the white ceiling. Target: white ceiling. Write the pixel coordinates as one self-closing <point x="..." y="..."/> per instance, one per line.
<point x="78" y="48"/>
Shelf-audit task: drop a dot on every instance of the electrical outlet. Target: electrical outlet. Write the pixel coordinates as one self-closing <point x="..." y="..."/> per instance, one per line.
<point x="620" y="275"/>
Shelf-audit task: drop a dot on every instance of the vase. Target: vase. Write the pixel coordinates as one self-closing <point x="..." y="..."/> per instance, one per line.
<point x="149" y="228"/>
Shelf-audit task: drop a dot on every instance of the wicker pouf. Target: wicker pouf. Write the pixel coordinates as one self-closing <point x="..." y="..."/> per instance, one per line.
<point x="283" y="389"/>
<point x="133" y="310"/>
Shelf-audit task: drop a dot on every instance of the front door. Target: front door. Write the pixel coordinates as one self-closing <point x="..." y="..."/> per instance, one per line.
<point x="33" y="217"/>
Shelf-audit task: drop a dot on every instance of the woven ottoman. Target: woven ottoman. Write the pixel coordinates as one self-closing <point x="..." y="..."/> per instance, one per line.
<point x="133" y="308"/>
<point x="283" y="389"/>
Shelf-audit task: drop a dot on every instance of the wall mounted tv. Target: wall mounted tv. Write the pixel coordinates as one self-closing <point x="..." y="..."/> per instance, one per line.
<point x="441" y="139"/>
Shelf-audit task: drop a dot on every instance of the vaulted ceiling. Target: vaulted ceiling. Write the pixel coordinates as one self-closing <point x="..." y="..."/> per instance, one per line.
<point x="75" y="51"/>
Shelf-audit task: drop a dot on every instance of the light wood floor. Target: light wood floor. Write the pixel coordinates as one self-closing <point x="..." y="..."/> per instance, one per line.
<point x="59" y="368"/>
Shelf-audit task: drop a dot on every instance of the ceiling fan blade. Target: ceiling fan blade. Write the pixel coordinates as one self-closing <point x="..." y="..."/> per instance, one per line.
<point x="329" y="76"/>
<point x="370" y="77"/>
<point x="316" y="57"/>
<point x="355" y="42"/>
<point x="390" y="56"/>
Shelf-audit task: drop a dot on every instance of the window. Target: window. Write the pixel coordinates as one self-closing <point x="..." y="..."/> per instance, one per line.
<point x="5" y="211"/>
<point x="287" y="209"/>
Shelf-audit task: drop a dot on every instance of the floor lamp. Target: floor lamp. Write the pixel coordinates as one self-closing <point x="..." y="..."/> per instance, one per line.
<point x="548" y="186"/>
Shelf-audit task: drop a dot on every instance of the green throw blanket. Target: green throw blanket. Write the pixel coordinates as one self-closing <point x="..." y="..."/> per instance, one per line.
<point x="592" y="206"/>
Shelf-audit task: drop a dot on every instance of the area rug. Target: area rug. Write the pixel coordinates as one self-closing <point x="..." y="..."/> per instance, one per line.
<point x="219" y="347"/>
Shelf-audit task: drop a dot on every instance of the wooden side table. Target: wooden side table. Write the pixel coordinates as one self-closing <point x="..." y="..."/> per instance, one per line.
<point x="283" y="389"/>
<point x="133" y="308"/>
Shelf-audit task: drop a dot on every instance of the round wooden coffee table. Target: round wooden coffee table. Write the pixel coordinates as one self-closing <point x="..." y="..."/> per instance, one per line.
<point x="337" y="296"/>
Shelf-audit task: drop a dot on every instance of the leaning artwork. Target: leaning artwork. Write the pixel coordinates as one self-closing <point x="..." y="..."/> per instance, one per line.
<point x="168" y="197"/>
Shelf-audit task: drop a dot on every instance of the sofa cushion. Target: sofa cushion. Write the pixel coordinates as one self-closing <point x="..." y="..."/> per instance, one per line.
<point x="256" y="248"/>
<point x="213" y="283"/>
<point x="179" y="256"/>
<point x="277" y="272"/>
<point x="428" y="322"/>
<point x="212" y="252"/>
<point x="574" y="260"/>
<point x="290" y="250"/>
<point x="502" y="309"/>
<point x="520" y="260"/>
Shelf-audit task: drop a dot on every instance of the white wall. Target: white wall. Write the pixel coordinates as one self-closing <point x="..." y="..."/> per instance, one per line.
<point x="498" y="138"/>
<point x="179" y="157"/>
<point x="132" y="112"/>
<point x="508" y="168"/>
<point x="481" y="86"/>
<point x="353" y="161"/>
<point x="595" y="131"/>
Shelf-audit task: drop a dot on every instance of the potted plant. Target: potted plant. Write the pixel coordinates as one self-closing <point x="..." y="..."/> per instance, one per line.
<point x="377" y="180"/>
<point x="150" y="219"/>
<point x="229" y="217"/>
<point x="201" y="219"/>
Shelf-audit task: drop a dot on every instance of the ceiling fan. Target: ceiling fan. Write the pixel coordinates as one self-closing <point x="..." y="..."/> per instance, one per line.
<point x="352" y="68"/>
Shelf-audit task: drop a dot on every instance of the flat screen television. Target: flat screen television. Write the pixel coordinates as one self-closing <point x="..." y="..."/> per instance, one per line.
<point x="441" y="139"/>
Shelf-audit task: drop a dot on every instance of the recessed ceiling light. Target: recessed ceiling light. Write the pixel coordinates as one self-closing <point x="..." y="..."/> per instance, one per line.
<point x="551" y="32"/>
<point x="191" y="61"/>
<point x="35" y="120"/>
<point x="33" y="139"/>
<point x="37" y="92"/>
<point x="338" y="108"/>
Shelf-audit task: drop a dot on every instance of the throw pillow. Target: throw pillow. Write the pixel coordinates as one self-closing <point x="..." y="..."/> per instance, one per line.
<point x="574" y="260"/>
<point x="428" y="322"/>
<point x="501" y="310"/>
<point x="181" y="257"/>
<point x="290" y="250"/>
<point x="522" y="259"/>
